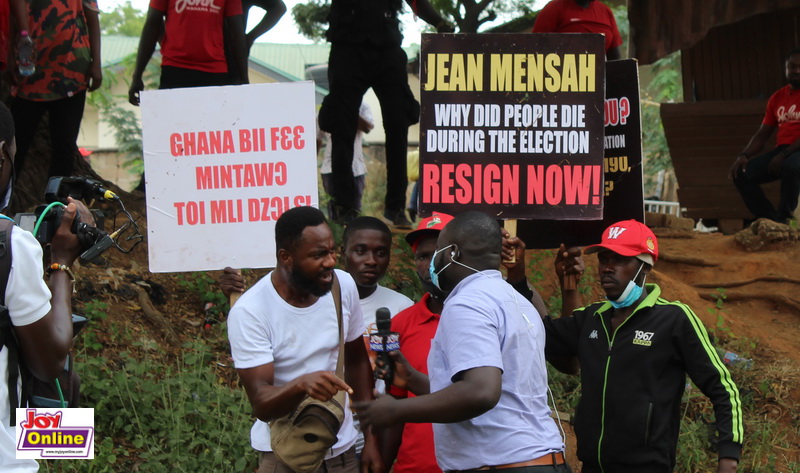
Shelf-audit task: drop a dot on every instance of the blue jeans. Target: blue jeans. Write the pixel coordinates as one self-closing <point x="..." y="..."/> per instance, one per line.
<point x="749" y="185"/>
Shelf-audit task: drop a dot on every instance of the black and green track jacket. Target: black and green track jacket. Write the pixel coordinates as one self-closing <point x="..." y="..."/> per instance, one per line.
<point x="632" y="381"/>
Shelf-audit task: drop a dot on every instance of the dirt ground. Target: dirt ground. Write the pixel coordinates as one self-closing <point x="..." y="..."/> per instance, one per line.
<point x="764" y="313"/>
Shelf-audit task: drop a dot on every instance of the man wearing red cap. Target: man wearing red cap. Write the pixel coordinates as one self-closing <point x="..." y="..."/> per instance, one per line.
<point x="635" y="350"/>
<point x="412" y="444"/>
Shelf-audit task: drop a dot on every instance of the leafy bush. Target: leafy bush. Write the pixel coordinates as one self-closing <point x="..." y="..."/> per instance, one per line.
<point x="178" y="418"/>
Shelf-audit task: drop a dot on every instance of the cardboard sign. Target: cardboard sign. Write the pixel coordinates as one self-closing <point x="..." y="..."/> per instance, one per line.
<point x="222" y="164"/>
<point x="624" y="197"/>
<point x="511" y="125"/>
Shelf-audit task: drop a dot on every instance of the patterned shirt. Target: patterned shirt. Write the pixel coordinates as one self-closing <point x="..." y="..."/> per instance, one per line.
<point x="63" y="55"/>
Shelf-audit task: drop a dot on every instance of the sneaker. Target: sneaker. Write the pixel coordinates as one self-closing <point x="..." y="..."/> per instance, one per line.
<point x="398" y="219"/>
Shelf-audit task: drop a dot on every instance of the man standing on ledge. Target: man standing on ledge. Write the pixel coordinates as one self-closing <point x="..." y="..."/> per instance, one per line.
<point x="750" y="169"/>
<point x="366" y="52"/>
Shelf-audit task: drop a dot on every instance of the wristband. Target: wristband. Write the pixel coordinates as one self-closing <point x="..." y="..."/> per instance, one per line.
<point x="23" y="33"/>
<point x="61" y="267"/>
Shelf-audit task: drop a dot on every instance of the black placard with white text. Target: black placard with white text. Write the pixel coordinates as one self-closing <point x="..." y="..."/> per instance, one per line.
<point x="624" y="197"/>
<point x="512" y="125"/>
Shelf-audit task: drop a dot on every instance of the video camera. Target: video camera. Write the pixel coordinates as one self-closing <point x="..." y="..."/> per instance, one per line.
<point x="44" y="221"/>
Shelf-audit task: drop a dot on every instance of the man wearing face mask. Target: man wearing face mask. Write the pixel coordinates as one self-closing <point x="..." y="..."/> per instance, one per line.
<point x="635" y="350"/>
<point x="487" y="390"/>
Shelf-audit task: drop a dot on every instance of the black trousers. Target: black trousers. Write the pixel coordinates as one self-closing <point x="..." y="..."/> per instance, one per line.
<point x="178" y="78"/>
<point x="352" y="69"/>
<point x="65" y="123"/>
<point x="749" y="185"/>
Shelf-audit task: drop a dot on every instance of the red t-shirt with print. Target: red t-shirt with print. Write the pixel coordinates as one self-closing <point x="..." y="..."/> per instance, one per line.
<point x="416" y="326"/>
<point x="566" y="16"/>
<point x="783" y="111"/>
<point x="193" y="37"/>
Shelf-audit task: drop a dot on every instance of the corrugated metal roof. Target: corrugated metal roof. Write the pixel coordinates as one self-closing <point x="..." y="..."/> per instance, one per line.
<point x="114" y="49"/>
<point x="290" y="60"/>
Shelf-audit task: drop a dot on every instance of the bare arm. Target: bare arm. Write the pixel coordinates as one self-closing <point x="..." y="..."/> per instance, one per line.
<point x="390" y="439"/>
<point x="358" y="374"/>
<point x="271" y="18"/>
<point x="270" y="402"/>
<point x="19" y="22"/>
<point x="45" y="343"/>
<point x="234" y="33"/>
<point x="756" y="144"/>
<point x="569" y="263"/>
<point x="153" y="26"/>
<point x="95" y="78"/>
<point x="475" y="392"/>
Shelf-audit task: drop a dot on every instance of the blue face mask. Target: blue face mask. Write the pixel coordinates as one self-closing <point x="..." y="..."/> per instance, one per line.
<point x="432" y="267"/>
<point x="631" y="294"/>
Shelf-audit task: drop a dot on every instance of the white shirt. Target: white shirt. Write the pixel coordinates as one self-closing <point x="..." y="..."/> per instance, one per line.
<point x="485" y="322"/>
<point x="395" y="302"/>
<point x="382" y="297"/>
<point x="28" y="300"/>
<point x="263" y="329"/>
<point x="359" y="167"/>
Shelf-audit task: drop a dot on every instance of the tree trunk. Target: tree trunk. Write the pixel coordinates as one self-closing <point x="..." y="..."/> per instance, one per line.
<point x="29" y="185"/>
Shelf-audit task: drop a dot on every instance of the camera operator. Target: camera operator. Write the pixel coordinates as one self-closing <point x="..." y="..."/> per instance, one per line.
<point x="41" y="313"/>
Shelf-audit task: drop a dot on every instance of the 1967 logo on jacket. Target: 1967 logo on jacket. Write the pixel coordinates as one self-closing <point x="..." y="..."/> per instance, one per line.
<point x="643" y="338"/>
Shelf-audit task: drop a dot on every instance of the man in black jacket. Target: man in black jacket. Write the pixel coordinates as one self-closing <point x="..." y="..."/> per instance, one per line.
<point x="635" y="350"/>
<point x="366" y="52"/>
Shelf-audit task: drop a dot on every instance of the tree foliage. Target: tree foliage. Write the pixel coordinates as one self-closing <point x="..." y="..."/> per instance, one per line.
<point x="469" y="16"/>
<point x="125" y="20"/>
<point x="312" y="18"/>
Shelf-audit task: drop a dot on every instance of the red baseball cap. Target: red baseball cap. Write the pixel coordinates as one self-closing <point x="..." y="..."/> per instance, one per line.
<point x="428" y="226"/>
<point x="628" y="238"/>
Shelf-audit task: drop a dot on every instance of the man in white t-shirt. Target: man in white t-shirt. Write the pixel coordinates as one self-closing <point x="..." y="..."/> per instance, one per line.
<point x="284" y="340"/>
<point x="40" y="312"/>
<point x="367" y="249"/>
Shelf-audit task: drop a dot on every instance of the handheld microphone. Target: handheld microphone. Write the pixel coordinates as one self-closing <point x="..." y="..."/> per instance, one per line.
<point x="383" y="322"/>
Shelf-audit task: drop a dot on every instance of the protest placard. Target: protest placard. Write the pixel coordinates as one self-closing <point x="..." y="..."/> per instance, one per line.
<point x="222" y="164"/>
<point x="512" y="125"/>
<point x="622" y="167"/>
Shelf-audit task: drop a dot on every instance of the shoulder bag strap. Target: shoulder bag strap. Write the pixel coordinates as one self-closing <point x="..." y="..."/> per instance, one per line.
<point x="6" y="227"/>
<point x="336" y="291"/>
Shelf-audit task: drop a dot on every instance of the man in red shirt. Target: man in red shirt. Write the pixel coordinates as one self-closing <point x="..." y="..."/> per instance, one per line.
<point x="193" y="44"/>
<point x="580" y="16"/>
<point x="749" y="171"/>
<point x="412" y="444"/>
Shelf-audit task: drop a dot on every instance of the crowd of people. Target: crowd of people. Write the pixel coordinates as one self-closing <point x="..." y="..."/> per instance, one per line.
<point x="469" y="386"/>
<point x="469" y="390"/>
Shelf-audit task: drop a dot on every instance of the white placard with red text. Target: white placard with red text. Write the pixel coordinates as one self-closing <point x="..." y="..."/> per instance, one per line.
<point x="221" y="165"/>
